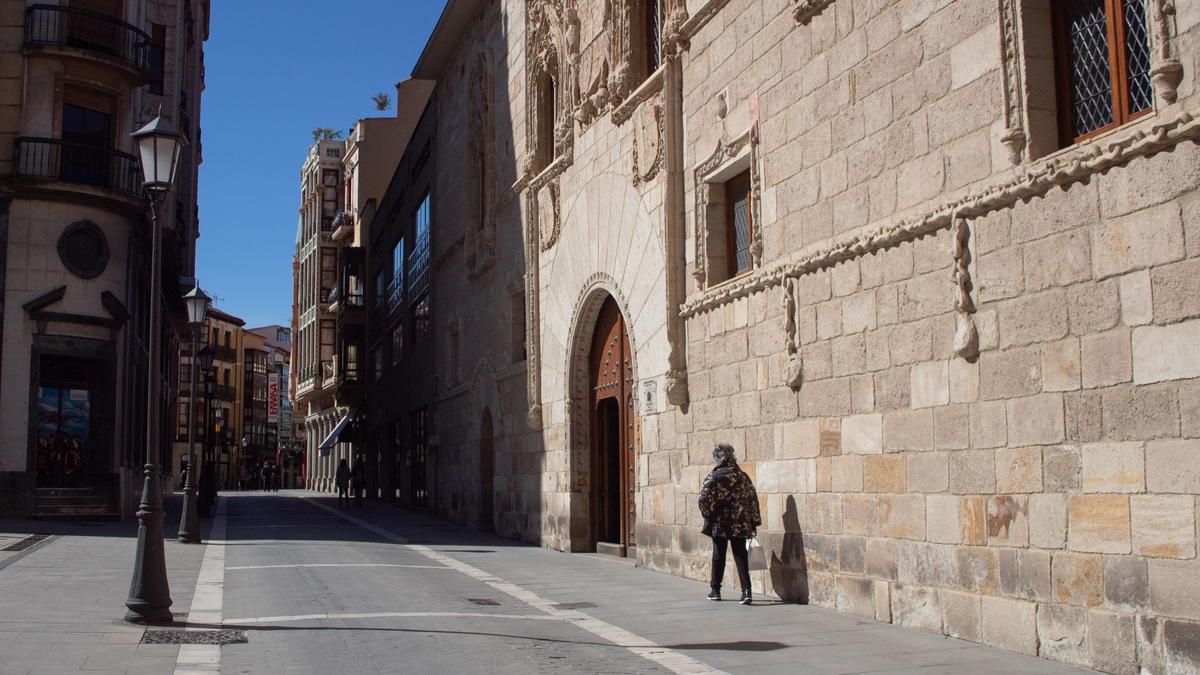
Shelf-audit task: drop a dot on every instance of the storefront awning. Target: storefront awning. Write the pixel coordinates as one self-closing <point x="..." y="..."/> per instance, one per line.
<point x="332" y="439"/>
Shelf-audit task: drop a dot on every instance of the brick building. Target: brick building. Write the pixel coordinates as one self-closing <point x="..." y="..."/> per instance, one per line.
<point x="930" y="266"/>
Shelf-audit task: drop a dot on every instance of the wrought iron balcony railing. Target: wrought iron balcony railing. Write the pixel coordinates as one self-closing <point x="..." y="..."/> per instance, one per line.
<point x="89" y="31"/>
<point x="418" y="268"/>
<point x="54" y="159"/>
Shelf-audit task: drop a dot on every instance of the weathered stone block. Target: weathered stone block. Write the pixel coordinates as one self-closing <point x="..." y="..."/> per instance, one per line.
<point x="1163" y="353"/>
<point x="847" y="473"/>
<point x="916" y="607"/>
<point x="882" y="559"/>
<point x="1025" y="574"/>
<point x="1112" y="643"/>
<point x="1137" y="305"/>
<point x="1000" y="275"/>
<point x="852" y="553"/>
<point x="972" y="472"/>
<point x="1062" y="631"/>
<point x="885" y="474"/>
<point x="1175" y="588"/>
<point x="964" y="381"/>
<point x="1140" y="413"/>
<point x="1189" y="409"/>
<point x="1008" y="520"/>
<point x="779" y="405"/>
<point x="911" y="342"/>
<point x="1173" y="466"/>
<point x="883" y="601"/>
<point x="1113" y="467"/>
<point x="860" y="513"/>
<point x="1010" y="624"/>
<point x="1164" y="526"/>
<point x="951" y="427"/>
<point x="892" y="389"/>
<point x="901" y="516"/>
<point x="927" y="564"/>
<point x="928" y="472"/>
<point x="1181" y="646"/>
<point x="1048" y="520"/>
<point x="978" y="569"/>
<point x="989" y="424"/>
<point x="1176" y="291"/>
<point x="1030" y="319"/>
<point x="848" y="355"/>
<point x="1009" y="374"/>
<point x="1058" y="260"/>
<point x="795" y="440"/>
<point x="961" y="612"/>
<point x="862" y="434"/>
<point x="1036" y="420"/>
<point x="930" y="384"/>
<point x="1149" y="237"/>
<point x="858" y="313"/>
<point x="908" y="430"/>
<point x="1018" y="470"/>
<point x="826" y="398"/>
<point x="1078" y="578"/>
<point x="1061" y="365"/>
<point x="1083" y="412"/>
<point x="1099" y="523"/>
<point x="1126" y="583"/>
<point x="856" y="596"/>
<point x="862" y="393"/>
<point x="1107" y="358"/>
<point x="1093" y="307"/>
<point x="942" y="519"/>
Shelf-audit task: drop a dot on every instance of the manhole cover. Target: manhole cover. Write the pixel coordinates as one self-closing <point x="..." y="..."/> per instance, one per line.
<point x="574" y="605"/>
<point x="26" y="543"/>
<point x="194" y="637"/>
<point x="484" y="601"/>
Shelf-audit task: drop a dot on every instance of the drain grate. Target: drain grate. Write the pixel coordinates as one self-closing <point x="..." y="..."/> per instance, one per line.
<point x="574" y="605"/>
<point x="484" y="601"/>
<point x="194" y="637"/>
<point x="26" y="543"/>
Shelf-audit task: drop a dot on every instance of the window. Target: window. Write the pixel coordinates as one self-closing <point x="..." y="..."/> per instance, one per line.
<point x="418" y="260"/>
<point x="328" y="333"/>
<point x="738" y="223"/>
<point x="158" y="58"/>
<point x="421" y="320"/>
<point x="397" y="343"/>
<point x="653" y="28"/>
<point x="547" y="115"/>
<point x="228" y="338"/>
<point x="1103" y="65"/>
<point x="377" y="358"/>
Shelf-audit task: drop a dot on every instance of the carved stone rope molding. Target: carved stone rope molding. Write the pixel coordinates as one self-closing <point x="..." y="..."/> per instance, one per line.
<point x="807" y="9"/>
<point x="1063" y="171"/>
<point x="966" y="335"/>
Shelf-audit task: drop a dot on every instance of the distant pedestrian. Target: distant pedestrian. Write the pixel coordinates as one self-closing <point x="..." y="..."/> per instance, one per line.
<point x="729" y="505"/>
<point x="342" y="481"/>
<point x="264" y="476"/>
<point x="359" y="476"/>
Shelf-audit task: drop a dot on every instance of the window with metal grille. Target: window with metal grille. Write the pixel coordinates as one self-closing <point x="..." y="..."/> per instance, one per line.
<point x="653" y="36"/>
<point x="738" y="223"/>
<point x="1103" y="59"/>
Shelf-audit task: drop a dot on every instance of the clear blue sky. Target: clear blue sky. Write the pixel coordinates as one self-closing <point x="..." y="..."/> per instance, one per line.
<point x="277" y="69"/>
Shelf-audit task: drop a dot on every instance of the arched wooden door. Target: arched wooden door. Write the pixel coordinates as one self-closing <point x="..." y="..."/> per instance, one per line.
<point x="613" y="467"/>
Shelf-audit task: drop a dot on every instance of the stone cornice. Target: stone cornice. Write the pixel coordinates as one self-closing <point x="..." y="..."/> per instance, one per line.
<point x="1071" y="166"/>
<point x="643" y="93"/>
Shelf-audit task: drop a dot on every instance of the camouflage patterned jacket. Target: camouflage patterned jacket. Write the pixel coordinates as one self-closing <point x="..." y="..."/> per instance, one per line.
<point x="729" y="503"/>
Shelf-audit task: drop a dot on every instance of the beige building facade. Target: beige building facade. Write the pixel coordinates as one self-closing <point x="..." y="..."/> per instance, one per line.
<point x="937" y="290"/>
<point x="76" y="78"/>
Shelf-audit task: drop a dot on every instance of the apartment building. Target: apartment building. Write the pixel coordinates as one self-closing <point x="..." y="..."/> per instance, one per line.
<point x="929" y="266"/>
<point x="76" y="78"/>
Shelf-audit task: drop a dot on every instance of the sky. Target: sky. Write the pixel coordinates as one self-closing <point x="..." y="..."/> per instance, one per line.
<point x="276" y="70"/>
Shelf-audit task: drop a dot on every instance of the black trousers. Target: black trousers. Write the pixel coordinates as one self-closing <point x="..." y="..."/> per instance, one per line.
<point x="740" y="559"/>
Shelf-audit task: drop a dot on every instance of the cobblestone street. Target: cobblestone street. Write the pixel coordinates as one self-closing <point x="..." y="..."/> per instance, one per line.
<point x="319" y="590"/>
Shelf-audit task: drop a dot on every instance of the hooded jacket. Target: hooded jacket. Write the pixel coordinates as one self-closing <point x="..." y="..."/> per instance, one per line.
<point x="729" y="503"/>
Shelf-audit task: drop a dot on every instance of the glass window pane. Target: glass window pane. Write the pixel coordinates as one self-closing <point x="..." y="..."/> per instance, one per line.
<point x="1087" y="59"/>
<point x="1137" y="57"/>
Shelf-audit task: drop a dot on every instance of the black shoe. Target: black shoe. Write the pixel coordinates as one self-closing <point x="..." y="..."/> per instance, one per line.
<point x="746" y="598"/>
<point x="714" y="594"/>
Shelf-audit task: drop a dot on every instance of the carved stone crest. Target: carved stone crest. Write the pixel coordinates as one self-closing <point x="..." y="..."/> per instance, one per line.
<point x="647" y="142"/>
<point x="547" y="215"/>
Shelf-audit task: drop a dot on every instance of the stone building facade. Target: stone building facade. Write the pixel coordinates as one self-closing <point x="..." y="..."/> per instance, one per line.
<point x="76" y="78"/>
<point x="941" y="296"/>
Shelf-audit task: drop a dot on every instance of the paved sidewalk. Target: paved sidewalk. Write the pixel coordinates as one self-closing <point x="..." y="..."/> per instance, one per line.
<point x="61" y="601"/>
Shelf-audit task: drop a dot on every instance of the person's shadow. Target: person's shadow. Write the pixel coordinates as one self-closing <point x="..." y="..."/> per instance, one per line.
<point x="788" y="566"/>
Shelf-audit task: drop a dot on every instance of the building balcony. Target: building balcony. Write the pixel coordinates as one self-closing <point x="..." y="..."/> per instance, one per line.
<point x="343" y="226"/>
<point x="53" y="164"/>
<point x="78" y="33"/>
<point x="224" y="392"/>
<point x="225" y="354"/>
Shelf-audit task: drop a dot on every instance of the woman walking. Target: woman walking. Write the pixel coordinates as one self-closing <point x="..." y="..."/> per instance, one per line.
<point x="729" y="505"/>
<point x="342" y="480"/>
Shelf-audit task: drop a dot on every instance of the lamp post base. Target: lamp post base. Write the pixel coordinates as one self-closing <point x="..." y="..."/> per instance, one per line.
<point x="149" y="592"/>
<point x="189" y="525"/>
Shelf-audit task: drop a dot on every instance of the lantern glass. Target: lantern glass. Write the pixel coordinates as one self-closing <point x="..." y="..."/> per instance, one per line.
<point x="159" y="148"/>
<point x="206" y="360"/>
<point x="197" y="306"/>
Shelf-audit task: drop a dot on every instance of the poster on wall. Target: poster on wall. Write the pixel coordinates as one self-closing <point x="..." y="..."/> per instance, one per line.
<point x="273" y="398"/>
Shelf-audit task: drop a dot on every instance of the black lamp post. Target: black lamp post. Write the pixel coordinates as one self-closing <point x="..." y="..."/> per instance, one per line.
<point x="210" y="385"/>
<point x="149" y="592"/>
<point x="197" y="309"/>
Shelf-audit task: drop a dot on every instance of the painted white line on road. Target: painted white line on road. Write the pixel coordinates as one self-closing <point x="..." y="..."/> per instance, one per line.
<point x="207" y="602"/>
<point x="281" y="567"/>
<point x="387" y="615"/>
<point x="666" y="657"/>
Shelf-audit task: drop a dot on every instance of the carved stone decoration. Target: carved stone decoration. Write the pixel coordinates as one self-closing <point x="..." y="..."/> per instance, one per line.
<point x="1060" y="171"/>
<point x="966" y="335"/>
<point x="548" y="222"/>
<point x="480" y="239"/>
<point x="1014" y="137"/>
<point x="647" y="142"/>
<point x="726" y="151"/>
<point x="533" y="345"/>
<point x="807" y="9"/>
<point x="791" y="328"/>
<point x="1167" y="73"/>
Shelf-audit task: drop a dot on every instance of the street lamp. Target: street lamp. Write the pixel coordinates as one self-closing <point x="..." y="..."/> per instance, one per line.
<point x="197" y="308"/>
<point x="149" y="593"/>
<point x="210" y="385"/>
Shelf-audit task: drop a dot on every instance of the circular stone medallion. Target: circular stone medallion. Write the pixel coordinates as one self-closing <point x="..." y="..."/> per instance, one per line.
<point x="83" y="249"/>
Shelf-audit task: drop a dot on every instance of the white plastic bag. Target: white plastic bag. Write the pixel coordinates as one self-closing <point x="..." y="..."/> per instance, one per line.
<point x="757" y="555"/>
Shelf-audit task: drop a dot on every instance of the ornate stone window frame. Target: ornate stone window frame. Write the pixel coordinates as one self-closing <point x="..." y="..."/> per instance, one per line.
<point x="481" y="236"/>
<point x="729" y="159"/>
